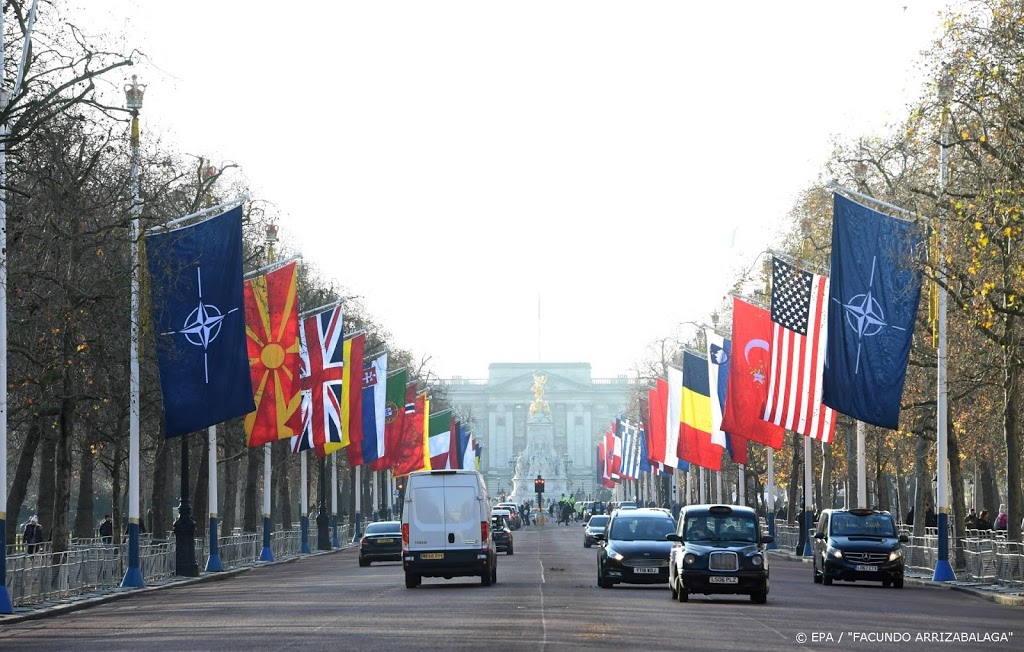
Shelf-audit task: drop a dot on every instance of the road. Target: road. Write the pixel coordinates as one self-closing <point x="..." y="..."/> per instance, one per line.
<point x="546" y="599"/>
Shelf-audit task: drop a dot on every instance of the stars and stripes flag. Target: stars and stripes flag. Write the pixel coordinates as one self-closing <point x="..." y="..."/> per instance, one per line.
<point x="275" y="360"/>
<point x="799" y="324"/>
<point x="320" y="347"/>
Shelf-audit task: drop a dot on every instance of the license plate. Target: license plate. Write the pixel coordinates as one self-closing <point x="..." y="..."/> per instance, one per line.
<point x="865" y="567"/>
<point x="643" y="569"/>
<point x="385" y="540"/>
<point x="723" y="579"/>
<point x="432" y="555"/>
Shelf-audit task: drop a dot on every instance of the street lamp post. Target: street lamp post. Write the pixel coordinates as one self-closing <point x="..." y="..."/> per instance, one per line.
<point x="133" y="93"/>
<point x="185" y="563"/>
<point x="323" y="534"/>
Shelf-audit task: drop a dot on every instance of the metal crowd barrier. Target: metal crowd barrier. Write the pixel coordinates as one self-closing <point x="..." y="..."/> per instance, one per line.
<point x="92" y="566"/>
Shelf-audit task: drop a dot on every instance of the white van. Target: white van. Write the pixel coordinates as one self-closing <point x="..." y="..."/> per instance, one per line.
<point x="446" y="527"/>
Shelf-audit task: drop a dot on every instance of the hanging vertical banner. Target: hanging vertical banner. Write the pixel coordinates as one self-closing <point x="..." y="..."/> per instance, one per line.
<point x="873" y="297"/>
<point x="321" y="340"/>
<point x="198" y="312"/>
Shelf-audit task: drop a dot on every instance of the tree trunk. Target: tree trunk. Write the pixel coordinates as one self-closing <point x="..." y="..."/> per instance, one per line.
<point x="115" y="492"/>
<point x="989" y="489"/>
<point x="956" y="480"/>
<point x="826" y="476"/>
<point x="852" y="499"/>
<point x="201" y="491"/>
<point x="281" y="452"/>
<point x="62" y="485"/>
<point x="161" y="504"/>
<point x="923" y="489"/>
<point x="1011" y="415"/>
<point x="22" y="476"/>
<point x="250" y="518"/>
<point x="85" y="520"/>
<point x="47" y="479"/>
<point x="794" y="481"/>
<point x="229" y="471"/>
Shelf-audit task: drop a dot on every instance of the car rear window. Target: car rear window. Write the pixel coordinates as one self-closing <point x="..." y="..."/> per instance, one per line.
<point x="598" y="521"/>
<point x="384" y="528"/>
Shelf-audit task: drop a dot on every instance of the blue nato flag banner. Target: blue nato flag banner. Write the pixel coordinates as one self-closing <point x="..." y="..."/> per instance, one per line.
<point x="199" y="320"/>
<point x="872" y="305"/>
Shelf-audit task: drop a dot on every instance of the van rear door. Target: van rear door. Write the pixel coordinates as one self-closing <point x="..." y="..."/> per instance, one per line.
<point x="426" y="514"/>
<point x="464" y="510"/>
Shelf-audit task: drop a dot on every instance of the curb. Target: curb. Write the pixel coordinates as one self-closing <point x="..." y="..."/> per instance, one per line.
<point x="989" y="592"/>
<point x="77" y="603"/>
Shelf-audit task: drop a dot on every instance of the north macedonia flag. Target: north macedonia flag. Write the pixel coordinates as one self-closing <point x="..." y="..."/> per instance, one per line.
<point x="272" y="338"/>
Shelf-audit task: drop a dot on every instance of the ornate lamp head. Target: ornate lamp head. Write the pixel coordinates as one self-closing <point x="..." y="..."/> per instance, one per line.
<point x="133" y="93"/>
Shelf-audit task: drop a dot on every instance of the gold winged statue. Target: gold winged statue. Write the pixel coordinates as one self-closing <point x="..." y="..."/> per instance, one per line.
<point x="538" y="404"/>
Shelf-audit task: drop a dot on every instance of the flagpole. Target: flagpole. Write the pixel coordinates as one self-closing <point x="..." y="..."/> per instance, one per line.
<point x="213" y="563"/>
<point x="703" y="487"/>
<point x="742" y="493"/>
<point x="6" y="604"/>
<point x="771" y="498"/>
<point x="356" y="525"/>
<point x="335" y="542"/>
<point x="304" y="500"/>
<point x="943" y="569"/>
<point x="375" y="498"/>
<point x="267" y="553"/>
<point x="323" y="536"/>
<point x="862" y="473"/>
<point x="808" y="516"/>
<point x="134" y="93"/>
<point x="718" y="487"/>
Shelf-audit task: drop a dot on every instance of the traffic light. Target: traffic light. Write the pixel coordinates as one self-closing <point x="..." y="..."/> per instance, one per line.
<point x="538" y="485"/>
<point x="401" y="485"/>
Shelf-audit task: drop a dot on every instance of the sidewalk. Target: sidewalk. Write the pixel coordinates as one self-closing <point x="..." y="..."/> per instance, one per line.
<point x="1012" y="596"/>
<point x="102" y="596"/>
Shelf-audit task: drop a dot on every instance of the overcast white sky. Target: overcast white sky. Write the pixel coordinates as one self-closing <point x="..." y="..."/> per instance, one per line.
<point x="451" y="161"/>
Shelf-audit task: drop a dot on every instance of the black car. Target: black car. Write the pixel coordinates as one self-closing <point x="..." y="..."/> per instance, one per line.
<point x="858" y="544"/>
<point x="718" y="549"/>
<point x="635" y="550"/>
<point x="382" y="541"/>
<point x="502" y="535"/>
<point x="596" y="525"/>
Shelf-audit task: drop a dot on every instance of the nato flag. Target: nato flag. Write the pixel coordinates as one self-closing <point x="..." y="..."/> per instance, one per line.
<point x="199" y="321"/>
<point x="872" y="304"/>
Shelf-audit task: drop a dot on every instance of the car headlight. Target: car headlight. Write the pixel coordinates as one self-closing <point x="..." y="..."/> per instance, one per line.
<point x="757" y="560"/>
<point x="895" y="554"/>
<point x="689" y="559"/>
<point x="613" y="555"/>
<point x="835" y="552"/>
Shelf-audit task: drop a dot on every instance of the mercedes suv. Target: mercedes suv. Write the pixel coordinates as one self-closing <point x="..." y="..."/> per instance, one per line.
<point x="858" y="544"/>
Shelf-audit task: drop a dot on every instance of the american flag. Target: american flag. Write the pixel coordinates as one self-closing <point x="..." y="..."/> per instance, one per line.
<point x="321" y="373"/>
<point x="799" y="321"/>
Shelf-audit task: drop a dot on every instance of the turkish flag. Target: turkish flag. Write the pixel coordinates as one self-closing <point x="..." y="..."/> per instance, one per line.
<point x="749" y="369"/>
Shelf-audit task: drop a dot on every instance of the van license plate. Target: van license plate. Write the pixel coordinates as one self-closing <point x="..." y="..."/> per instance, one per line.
<point x="865" y="567"/>
<point x="432" y="555"/>
<point x="644" y="569"/>
<point x="723" y="579"/>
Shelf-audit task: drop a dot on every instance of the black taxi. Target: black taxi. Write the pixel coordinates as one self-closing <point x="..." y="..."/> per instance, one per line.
<point x="718" y="549"/>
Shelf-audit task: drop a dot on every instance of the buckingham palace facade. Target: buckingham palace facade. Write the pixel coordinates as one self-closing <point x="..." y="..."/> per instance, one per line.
<point x="582" y="408"/>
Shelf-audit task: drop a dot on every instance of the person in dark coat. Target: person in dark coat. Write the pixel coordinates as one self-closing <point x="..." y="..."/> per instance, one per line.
<point x="33" y="535"/>
<point x="107" y="530"/>
<point x="930" y="519"/>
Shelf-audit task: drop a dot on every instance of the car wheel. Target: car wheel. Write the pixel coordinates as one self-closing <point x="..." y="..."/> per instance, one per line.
<point x="412" y="580"/>
<point x="826" y="579"/>
<point x="363" y="562"/>
<point x="817" y="576"/>
<point x="898" y="583"/>
<point x="508" y="551"/>
<point x="672" y="587"/>
<point x="494" y="574"/>
<point x="601" y="581"/>
<point x="682" y="595"/>
<point x="586" y="544"/>
<point x="486" y="577"/>
<point x="760" y="597"/>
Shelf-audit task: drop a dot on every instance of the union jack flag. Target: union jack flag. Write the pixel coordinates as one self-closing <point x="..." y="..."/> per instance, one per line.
<point x="321" y="373"/>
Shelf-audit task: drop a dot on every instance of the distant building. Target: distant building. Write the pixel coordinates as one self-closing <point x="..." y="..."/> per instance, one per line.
<point x="582" y="408"/>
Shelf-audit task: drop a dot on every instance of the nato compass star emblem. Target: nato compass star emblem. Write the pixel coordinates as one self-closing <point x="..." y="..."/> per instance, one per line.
<point x="865" y="315"/>
<point x="202" y="326"/>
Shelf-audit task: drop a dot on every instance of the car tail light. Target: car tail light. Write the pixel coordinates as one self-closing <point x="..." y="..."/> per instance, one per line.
<point x="405" y="534"/>
<point x="484" y="532"/>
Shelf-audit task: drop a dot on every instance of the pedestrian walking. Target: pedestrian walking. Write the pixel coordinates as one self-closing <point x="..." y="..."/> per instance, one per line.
<point x="107" y="530"/>
<point x="33" y="535"/>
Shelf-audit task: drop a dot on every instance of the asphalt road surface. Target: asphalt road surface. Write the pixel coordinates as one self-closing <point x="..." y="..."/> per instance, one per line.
<point x="546" y="598"/>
